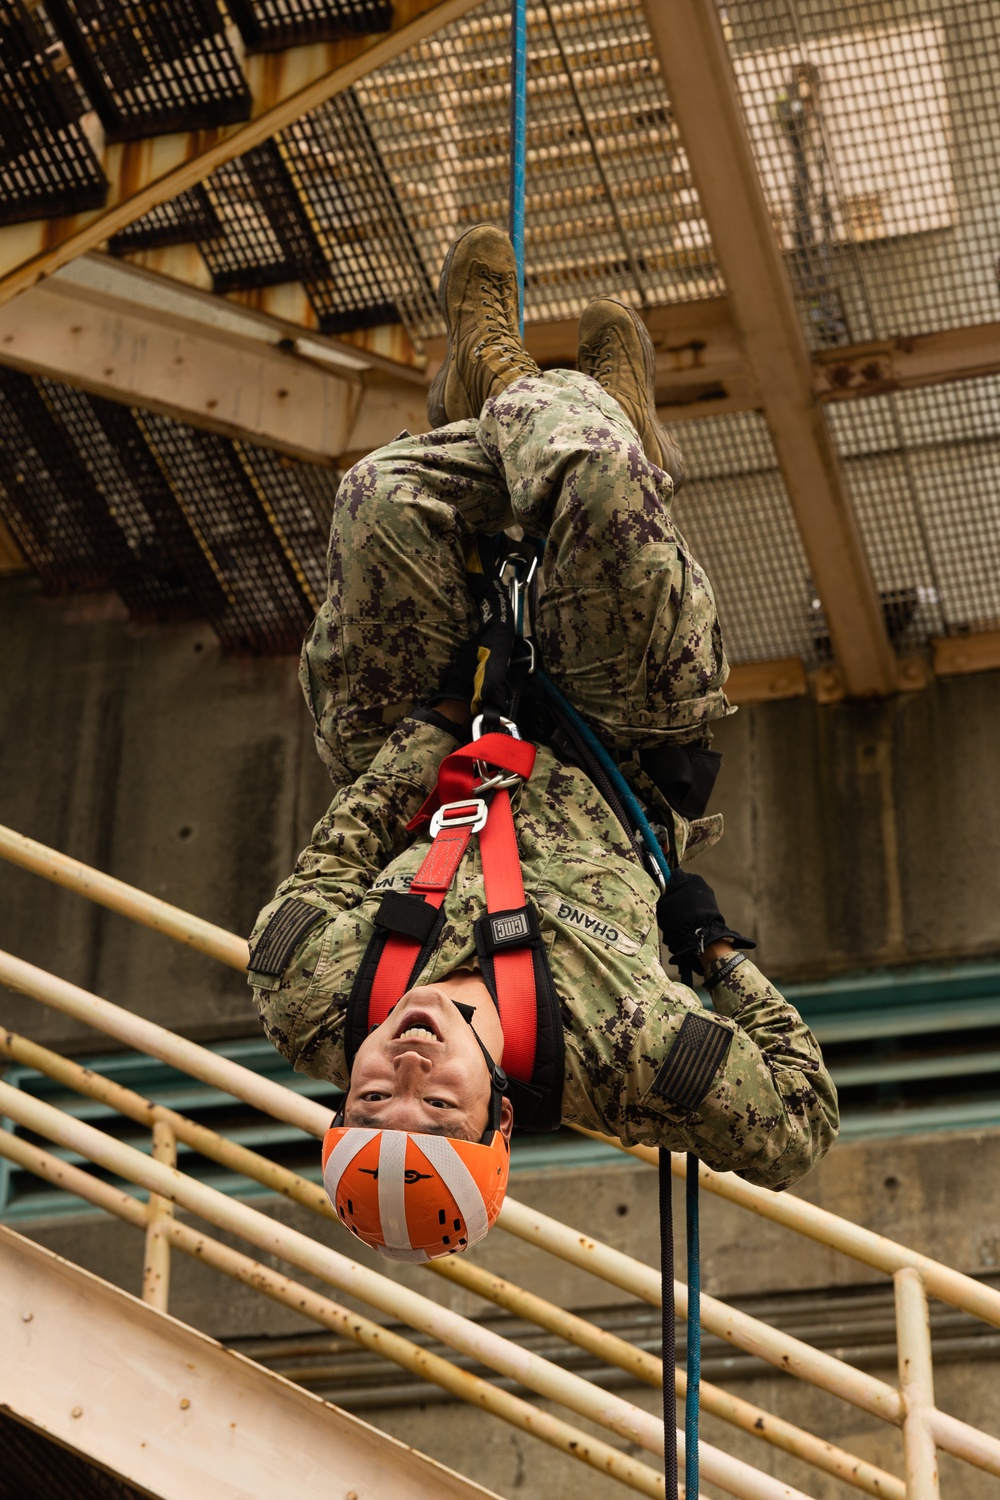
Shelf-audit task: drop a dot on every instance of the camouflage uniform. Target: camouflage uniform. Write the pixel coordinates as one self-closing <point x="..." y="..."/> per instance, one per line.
<point x="626" y="619"/>
<point x="628" y="628"/>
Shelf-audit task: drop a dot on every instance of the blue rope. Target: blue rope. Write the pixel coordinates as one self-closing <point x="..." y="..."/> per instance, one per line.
<point x="621" y="786"/>
<point x="518" y="137"/>
<point x="692" y="1396"/>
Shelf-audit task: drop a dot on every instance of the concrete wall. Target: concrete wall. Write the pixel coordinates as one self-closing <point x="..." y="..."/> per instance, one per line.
<point x="146" y="752"/>
<point x="863" y="834"/>
<point x="857" y="835"/>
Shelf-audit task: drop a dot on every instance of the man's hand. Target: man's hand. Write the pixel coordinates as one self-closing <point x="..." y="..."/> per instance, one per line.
<point x="459" y="713"/>
<point x="692" y="925"/>
<point x="454" y="692"/>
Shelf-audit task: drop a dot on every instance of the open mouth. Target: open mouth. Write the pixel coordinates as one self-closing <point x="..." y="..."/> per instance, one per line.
<point x="418" y="1027"/>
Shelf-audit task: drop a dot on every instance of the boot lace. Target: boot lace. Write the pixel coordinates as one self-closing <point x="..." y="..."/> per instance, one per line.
<point x="498" y="301"/>
<point x="602" y="361"/>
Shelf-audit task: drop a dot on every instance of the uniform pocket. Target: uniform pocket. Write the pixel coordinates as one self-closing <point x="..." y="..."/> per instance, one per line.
<point x="590" y="923"/>
<point x="599" y="896"/>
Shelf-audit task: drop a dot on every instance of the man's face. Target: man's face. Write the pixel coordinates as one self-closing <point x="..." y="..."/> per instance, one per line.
<point x="422" y="1069"/>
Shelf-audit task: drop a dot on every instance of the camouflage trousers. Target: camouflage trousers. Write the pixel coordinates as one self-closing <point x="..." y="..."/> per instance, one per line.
<point x="626" y="620"/>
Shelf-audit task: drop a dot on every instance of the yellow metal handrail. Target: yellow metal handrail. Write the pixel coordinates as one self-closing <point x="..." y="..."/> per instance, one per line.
<point x="924" y="1427"/>
<point x="301" y="1299"/>
<point x="797" y="1214"/>
<point x="743" y="1414"/>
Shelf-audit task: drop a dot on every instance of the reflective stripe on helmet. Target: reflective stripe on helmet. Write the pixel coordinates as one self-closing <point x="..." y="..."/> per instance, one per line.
<point x="410" y="1196"/>
<point x="347" y="1148"/>
<point x="392" y="1191"/>
<point x="459" y="1181"/>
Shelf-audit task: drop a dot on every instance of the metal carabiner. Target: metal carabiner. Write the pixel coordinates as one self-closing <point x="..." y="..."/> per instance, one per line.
<point x="501" y="779"/>
<point x="508" y="724"/>
<point x="526" y="643"/>
<point x="517" y="585"/>
<point x="654" y="866"/>
<point x="501" y="782"/>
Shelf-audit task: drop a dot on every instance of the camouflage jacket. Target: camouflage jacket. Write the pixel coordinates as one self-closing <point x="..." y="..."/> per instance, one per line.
<point x="747" y="1088"/>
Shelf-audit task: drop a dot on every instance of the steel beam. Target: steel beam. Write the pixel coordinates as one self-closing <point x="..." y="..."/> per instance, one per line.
<point x="701" y="366"/>
<point x="696" y="68"/>
<point x="954" y="655"/>
<point x="283" y="87"/>
<point x="765" y="681"/>
<point x="702" y="369"/>
<point x="172" y="1412"/>
<point x="904" y="363"/>
<point x="125" y="334"/>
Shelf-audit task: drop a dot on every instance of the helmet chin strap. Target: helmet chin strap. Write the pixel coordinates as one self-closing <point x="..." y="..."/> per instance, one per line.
<point x="498" y="1078"/>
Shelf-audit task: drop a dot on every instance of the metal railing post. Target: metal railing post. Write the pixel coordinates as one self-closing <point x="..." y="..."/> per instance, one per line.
<point x="911" y="1407"/>
<point x="156" y="1259"/>
<point x="916" y="1383"/>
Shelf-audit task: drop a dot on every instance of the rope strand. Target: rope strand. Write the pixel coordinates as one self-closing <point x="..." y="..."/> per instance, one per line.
<point x="693" y="1394"/>
<point x="669" y="1329"/>
<point x="518" y="138"/>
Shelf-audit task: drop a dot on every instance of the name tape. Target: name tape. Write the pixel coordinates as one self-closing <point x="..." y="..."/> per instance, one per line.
<point x="589" y="922"/>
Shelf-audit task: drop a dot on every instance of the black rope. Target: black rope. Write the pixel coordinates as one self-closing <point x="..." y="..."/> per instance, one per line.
<point x="669" y="1329"/>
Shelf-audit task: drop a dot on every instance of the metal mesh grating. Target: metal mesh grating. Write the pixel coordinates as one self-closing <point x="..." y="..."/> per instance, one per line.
<point x="610" y="205"/>
<point x="176" y="520"/>
<point x="875" y="128"/>
<point x="179" y="544"/>
<point x="71" y="507"/>
<point x="267" y="602"/>
<point x="146" y="575"/>
<point x="189" y="216"/>
<point x="151" y="68"/>
<point x="734" y="513"/>
<point x="316" y="205"/>
<point x="267" y="25"/>
<point x="46" y="164"/>
<point x="373" y="268"/>
<point x="924" y="471"/>
<point x="892" y="514"/>
<point x="265" y="237"/>
<point x="299" y="501"/>
<point x="41" y="511"/>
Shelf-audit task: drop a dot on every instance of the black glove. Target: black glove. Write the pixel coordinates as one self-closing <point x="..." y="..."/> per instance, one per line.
<point x="689" y="919"/>
<point x="458" y="678"/>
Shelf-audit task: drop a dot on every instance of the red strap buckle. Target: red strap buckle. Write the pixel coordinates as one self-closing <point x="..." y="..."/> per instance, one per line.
<point x="452" y="824"/>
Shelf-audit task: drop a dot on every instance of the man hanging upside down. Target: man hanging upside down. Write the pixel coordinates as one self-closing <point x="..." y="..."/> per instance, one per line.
<point x="375" y="970"/>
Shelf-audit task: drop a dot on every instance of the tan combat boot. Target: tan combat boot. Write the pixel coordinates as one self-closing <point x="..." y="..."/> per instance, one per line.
<point x="478" y="296"/>
<point x="616" y="350"/>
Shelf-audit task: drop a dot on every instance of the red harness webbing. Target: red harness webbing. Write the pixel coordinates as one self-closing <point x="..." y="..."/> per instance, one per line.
<point x="514" y="967"/>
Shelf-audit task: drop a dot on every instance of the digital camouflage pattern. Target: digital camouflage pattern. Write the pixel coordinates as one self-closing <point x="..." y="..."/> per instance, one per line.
<point x="626" y="624"/>
<point x="628" y="630"/>
<point x="770" y="1111"/>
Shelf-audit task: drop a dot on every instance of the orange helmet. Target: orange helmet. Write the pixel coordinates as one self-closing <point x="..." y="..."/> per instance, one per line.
<point x="412" y="1196"/>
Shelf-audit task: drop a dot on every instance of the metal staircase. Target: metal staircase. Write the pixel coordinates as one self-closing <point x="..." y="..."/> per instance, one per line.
<point x="158" y="97"/>
<point x="84" y="1356"/>
<point x="167" y="1410"/>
